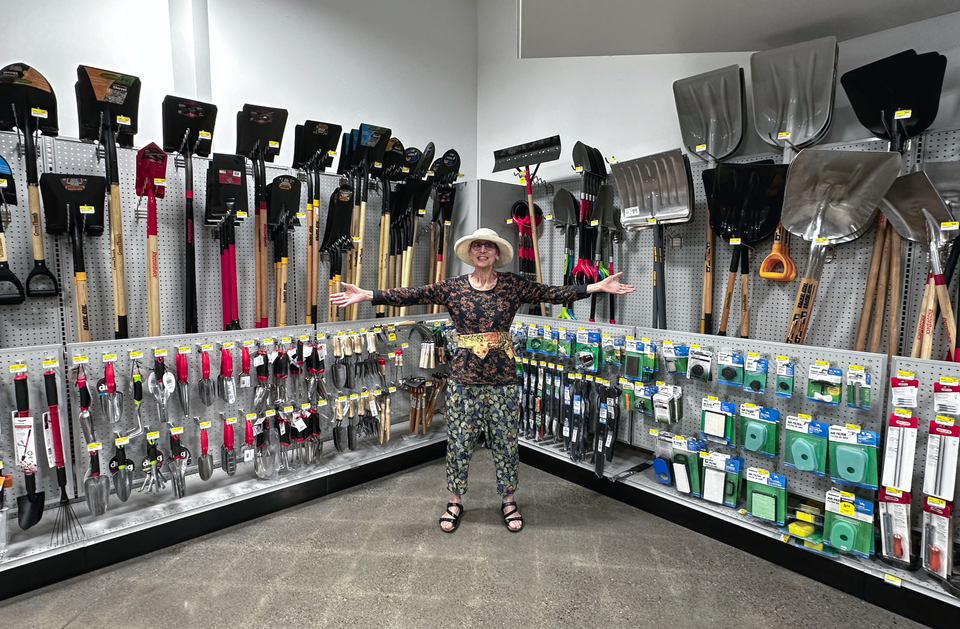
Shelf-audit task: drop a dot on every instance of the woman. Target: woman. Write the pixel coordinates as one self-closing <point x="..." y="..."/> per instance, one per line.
<point x="482" y="394"/>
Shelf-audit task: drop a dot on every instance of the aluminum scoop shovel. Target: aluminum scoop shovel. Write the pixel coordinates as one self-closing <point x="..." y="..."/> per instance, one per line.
<point x="829" y="198"/>
<point x="96" y="488"/>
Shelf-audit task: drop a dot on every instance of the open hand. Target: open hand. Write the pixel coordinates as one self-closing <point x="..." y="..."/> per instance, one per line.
<point x="350" y="295"/>
<point x="612" y="285"/>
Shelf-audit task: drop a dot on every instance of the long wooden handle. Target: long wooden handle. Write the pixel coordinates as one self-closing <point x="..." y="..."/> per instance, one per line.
<point x="745" y="303"/>
<point x="358" y="269"/>
<point x="802" y="307"/>
<point x="83" y="308"/>
<point x="284" y="293"/>
<point x="153" y="287"/>
<point x="918" y="337"/>
<point x="116" y="264"/>
<point x="870" y="289"/>
<point x="929" y="321"/>
<point x="727" y="301"/>
<point x="33" y="199"/>
<point x="893" y="338"/>
<point x="880" y="290"/>
<point x="946" y="312"/>
<point x="706" y="302"/>
<point x="383" y="259"/>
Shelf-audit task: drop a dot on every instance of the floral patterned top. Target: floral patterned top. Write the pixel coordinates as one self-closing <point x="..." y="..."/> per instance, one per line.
<point x="475" y="311"/>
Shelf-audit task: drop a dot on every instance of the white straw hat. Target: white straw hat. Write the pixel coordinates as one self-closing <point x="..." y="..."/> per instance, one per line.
<point x="506" y="249"/>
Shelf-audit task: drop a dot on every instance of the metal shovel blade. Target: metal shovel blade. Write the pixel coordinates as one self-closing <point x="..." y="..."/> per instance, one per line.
<point x="205" y="466"/>
<point x="945" y="177"/>
<point x="207" y="391"/>
<point x="793" y="90"/>
<point x="96" y="490"/>
<point x="123" y="483"/>
<point x="183" y="395"/>
<point x="711" y="111"/>
<point x="915" y="210"/>
<point x="657" y="186"/>
<point x="228" y="460"/>
<point x="227" y="388"/>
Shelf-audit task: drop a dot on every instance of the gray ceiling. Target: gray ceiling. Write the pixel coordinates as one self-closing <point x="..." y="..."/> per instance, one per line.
<point x="576" y="28"/>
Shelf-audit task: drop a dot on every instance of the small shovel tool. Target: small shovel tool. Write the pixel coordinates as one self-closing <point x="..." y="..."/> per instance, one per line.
<point x="205" y="461"/>
<point x="226" y="385"/>
<point x="111" y="400"/>
<point x="829" y="199"/>
<point x="96" y="487"/>
<point x="916" y="211"/>
<point x="228" y="455"/>
<point x="183" y="384"/>
<point x="30" y="505"/>
<point x="206" y="386"/>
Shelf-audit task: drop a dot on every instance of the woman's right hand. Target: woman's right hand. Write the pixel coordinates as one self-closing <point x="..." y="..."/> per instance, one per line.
<point x="350" y="295"/>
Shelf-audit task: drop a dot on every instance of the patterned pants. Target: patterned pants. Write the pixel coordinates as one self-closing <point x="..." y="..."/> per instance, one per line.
<point x="493" y="410"/>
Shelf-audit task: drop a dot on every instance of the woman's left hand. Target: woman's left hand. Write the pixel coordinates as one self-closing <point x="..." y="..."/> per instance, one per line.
<point x="612" y="285"/>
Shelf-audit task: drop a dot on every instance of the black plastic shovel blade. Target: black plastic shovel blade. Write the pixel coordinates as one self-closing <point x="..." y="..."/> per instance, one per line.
<point x="188" y="124"/>
<point x="30" y="506"/>
<point x="315" y="141"/>
<point x="27" y="93"/>
<point x="261" y="127"/>
<point x="527" y="154"/>
<point x="105" y="97"/>
<point x="284" y="199"/>
<point x="63" y="192"/>
<point x="226" y="188"/>
<point x="747" y="201"/>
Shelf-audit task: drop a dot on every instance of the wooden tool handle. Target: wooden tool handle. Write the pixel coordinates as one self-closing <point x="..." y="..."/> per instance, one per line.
<point x="918" y="337"/>
<point x="153" y="287"/>
<point x="802" y="307"/>
<point x="727" y="300"/>
<point x="870" y="289"/>
<point x="893" y="338"/>
<point x="929" y="321"/>
<point x="880" y="290"/>
<point x="33" y="200"/>
<point x="383" y="259"/>
<point x="946" y="312"/>
<point x="745" y="304"/>
<point x="83" y="308"/>
<point x="706" y="301"/>
<point x="116" y="263"/>
<point x="284" y="292"/>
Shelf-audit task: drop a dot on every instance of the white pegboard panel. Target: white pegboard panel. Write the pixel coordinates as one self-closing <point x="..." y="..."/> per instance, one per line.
<point x="37" y="320"/>
<point x="941" y="146"/>
<point x="46" y="477"/>
<point x="927" y="372"/>
<point x="839" y="299"/>
<point x="105" y="431"/>
<point x="800" y="483"/>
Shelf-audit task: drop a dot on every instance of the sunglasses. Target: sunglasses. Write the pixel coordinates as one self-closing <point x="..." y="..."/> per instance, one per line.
<point x="478" y="245"/>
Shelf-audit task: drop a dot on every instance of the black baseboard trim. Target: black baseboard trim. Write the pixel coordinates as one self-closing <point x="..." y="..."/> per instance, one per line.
<point x="43" y="572"/>
<point x="905" y="602"/>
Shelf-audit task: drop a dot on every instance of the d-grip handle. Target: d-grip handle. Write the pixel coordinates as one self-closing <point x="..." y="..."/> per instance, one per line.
<point x="40" y="272"/>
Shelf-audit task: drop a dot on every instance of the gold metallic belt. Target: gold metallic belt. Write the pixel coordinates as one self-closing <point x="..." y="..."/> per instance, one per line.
<point x="481" y="344"/>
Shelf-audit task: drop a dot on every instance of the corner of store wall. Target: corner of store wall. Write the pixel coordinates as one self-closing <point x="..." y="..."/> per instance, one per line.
<point x="624" y="105"/>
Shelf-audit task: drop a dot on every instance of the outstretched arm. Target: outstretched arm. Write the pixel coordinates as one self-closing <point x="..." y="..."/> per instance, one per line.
<point x="410" y="296"/>
<point x="544" y="293"/>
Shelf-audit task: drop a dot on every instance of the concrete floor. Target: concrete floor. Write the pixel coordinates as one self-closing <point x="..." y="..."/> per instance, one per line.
<point x="374" y="556"/>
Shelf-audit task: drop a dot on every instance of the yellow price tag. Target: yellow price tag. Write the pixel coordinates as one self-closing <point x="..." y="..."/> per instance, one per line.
<point x="847" y="508"/>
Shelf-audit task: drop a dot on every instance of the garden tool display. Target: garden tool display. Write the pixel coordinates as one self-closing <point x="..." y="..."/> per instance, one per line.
<point x="589" y="163"/>
<point x="29" y="505"/>
<point x="829" y="199"/>
<point x="228" y="454"/>
<point x="521" y="157"/>
<point x="259" y="133"/>
<point x="655" y="190"/>
<point x="518" y="213"/>
<point x="264" y="461"/>
<point x="915" y="210"/>
<point x="393" y="160"/>
<point x="226" y="204"/>
<point x="566" y="217"/>
<point x="226" y="385"/>
<point x="206" y="387"/>
<point x="66" y="527"/>
<point x="107" y="105"/>
<point x="151" y="182"/>
<point x="74" y="204"/>
<point x="28" y="103"/>
<point x="84" y="401"/>
<point x="746" y="208"/>
<point x="283" y="201"/>
<point x="96" y="486"/>
<point x="712" y="112"/>
<point x="205" y="461"/>
<point x="794" y="89"/>
<point x="151" y="465"/>
<point x="121" y="469"/>
<point x="602" y="205"/>
<point x="179" y="461"/>
<point x="261" y="392"/>
<point x="8" y="194"/>
<point x="183" y="384"/>
<point x="161" y="384"/>
<point x="188" y="130"/>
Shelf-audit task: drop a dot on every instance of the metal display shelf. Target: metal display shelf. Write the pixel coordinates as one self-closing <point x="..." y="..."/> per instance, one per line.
<point x="625" y="459"/>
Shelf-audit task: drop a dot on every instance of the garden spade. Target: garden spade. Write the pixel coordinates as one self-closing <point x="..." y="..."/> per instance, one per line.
<point x="205" y="462"/>
<point x="151" y="183"/>
<point x="96" y="487"/>
<point x="205" y="386"/>
<point x="226" y="385"/>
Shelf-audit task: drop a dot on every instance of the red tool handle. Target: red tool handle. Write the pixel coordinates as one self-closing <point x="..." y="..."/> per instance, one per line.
<point x="182" y="367"/>
<point x="226" y="363"/>
<point x="22" y="394"/>
<point x="204" y="441"/>
<point x="245" y="360"/>
<point x="228" y="436"/>
<point x="53" y="406"/>
<point x="205" y="365"/>
<point x="110" y="377"/>
<point x="248" y="433"/>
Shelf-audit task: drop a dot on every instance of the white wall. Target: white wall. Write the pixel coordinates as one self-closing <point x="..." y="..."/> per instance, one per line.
<point x="408" y="65"/>
<point x="130" y="37"/>
<point x="624" y="105"/>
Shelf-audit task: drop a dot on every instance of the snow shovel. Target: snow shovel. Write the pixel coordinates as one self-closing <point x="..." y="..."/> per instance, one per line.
<point x="745" y="211"/>
<point x="712" y="113"/>
<point x="830" y="198"/>
<point x="916" y="211"/>
<point x="259" y="133"/>
<point x="74" y="204"/>
<point x="151" y="182"/>
<point x="7" y="193"/>
<point x="28" y="103"/>
<point x="188" y="130"/>
<point x="30" y="505"/>
<point x="793" y="93"/>
<point x="898" y="97"/>
<point x="107" y="105"/>
<point x="521" y="157"/>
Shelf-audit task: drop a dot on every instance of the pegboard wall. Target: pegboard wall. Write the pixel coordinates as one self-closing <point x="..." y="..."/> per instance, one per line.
<point x="40" y="320"/>
<point x="46" y="477"/>
<point x="927" y="372"/>
<point x="839" y="300"/>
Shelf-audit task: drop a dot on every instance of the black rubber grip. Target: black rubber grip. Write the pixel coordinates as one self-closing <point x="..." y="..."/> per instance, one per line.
<point x="50" y="384"/>
<point x="138" y="390"/>
<point x="22" y="393"/>
<point x="85" y="399"/>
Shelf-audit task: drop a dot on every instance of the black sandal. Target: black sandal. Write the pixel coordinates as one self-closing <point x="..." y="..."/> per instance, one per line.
<point x="454" y="517"/>
<point x="508" y="517"/>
